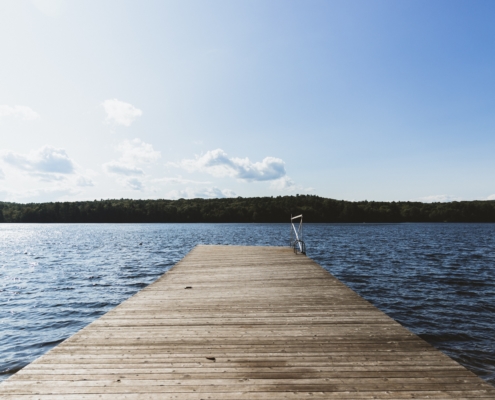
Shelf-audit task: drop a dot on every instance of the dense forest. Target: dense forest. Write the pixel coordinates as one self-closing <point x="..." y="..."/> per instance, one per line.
<point x="254" y="209"/>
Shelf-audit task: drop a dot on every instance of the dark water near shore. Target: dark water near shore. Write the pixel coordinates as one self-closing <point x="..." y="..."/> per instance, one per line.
<point x="436" y="279"/>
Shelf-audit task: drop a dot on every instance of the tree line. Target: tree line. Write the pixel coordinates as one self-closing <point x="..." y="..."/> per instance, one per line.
<point x="253" y="209"/>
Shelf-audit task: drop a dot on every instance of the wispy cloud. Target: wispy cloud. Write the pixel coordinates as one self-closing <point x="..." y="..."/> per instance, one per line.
<point x="120" y="112"/>
<point x="217" y="163"/>
<point x="137" y="152"/>
<point x="284" y="183"/>
<point x="48" y="176"/>
<point x="179" y="180"/>
<point x="133" y="154"/>
<point x="439" y="198"/>
<point x="135" y="184"/>
<point x="46" y="160"/>
<point x="39" y="195"/>
<point x="208" y="193"/>
<point x="21" y="112"/>
<point x="119" y="168"/>
<point x="84" y="181"/>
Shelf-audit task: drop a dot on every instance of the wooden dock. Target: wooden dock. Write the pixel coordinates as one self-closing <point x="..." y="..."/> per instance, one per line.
<point x="234" y="322"/>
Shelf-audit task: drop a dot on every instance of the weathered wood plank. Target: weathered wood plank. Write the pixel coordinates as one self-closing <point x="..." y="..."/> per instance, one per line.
<point x="254" y="323"/>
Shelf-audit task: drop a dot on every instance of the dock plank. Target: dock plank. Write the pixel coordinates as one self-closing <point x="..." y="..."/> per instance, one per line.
<point x="238" y="322"/>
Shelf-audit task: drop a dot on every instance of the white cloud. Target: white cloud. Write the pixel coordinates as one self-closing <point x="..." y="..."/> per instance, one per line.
<point x="215" y="192"/>
<point x="135" y="184"/>
<point x="136" y="151"/>
<point x="120" y="112"/>
<point x="39" y="195"/>
<point x="491" y="197"/>
<point x="84" y="181"/>
<point x="133" y="153"/>
<point x="284" y="183"/>
<point x="2" y="175"/>
<point x="209" y="193"/>
<point x="22" y="112"/>
<point x="41" y="162"/>
<point x="217" y="163"/>
<point x="45" y="174"/>
<point x="119" y="168"/>
<point x="287" y="184"/>
<point x="439" y="198"/>
<point x="48" y="177"/>
<point x="179" y="181"/>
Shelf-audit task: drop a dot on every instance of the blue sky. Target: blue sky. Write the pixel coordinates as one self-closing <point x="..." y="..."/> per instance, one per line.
<point x="355" y="100"/>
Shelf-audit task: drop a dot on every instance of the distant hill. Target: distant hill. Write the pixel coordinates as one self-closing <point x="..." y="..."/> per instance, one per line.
<point x="253" y="209"/>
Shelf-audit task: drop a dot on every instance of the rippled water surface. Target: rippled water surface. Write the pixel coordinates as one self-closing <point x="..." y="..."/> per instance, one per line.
<point x="436" y="279"/>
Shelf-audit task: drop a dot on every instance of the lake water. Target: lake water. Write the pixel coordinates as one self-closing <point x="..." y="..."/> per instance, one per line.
<point x="438" y="280"/>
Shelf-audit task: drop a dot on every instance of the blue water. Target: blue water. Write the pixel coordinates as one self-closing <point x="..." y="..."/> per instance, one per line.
<point x="438" y="280"/>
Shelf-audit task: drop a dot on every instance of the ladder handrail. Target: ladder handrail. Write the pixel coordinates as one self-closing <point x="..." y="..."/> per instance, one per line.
<point x="297" y="242"/>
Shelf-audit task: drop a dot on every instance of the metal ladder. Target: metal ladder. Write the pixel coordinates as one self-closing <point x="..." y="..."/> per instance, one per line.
<point x="296" y="235"/>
